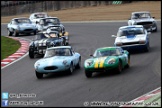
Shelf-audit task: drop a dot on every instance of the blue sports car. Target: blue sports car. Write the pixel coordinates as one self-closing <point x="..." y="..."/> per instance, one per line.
<point x="21" y="26"/>
<point x="58" y="59"/>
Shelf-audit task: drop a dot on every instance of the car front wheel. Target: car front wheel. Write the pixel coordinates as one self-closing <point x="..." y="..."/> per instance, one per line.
<point x="9" y="33"/>
<point x="15" y="33"/>
<point x="39" y="75"/>
<point x="88" y="74"/>
<point x="71" y="69"/>
<point x="31" y="53"/>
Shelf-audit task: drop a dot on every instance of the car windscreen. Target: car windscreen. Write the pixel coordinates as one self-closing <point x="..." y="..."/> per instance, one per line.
<point x="53" y="21"/>
<point x="20" y="21"/>
<point x="130" y="31"/>
<point x="57" y="52"/>
<point x="40" y="15"/>
<point x="141" y="15"/>
<point x="103" y="53"/>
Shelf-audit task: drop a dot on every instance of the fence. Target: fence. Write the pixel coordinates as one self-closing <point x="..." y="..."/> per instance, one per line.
<point x="18" y="7"/>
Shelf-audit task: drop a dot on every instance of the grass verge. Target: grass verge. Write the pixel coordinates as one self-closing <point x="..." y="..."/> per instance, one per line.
<point x="8" y="46"/>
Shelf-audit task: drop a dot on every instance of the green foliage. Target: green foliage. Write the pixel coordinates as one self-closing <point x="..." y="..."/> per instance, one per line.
<point x="8" y="46"/>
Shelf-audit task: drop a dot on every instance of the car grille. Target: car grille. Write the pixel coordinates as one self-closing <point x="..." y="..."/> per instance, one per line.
<point x="130" y="43"/>
<point x="28" y="30"/>
<point x="50" y="68"/>
<point x="42" y="47"/>
<point x="144" y="23"/>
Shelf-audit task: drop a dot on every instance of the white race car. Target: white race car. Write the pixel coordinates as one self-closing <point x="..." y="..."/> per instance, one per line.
<point x="132" y="37"/>
<point x="143" y="18"/>
<point x="35" y="17"/>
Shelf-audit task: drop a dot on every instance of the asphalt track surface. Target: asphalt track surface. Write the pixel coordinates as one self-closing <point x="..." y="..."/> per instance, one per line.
<point x="60" y="90"/>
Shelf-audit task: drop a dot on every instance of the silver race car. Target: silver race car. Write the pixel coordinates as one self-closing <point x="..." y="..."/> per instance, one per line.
<point x="143" y="18"/>
<point x="35" y="17"/>
<point x="44" y="23"/>
<point x="21" y="26"/>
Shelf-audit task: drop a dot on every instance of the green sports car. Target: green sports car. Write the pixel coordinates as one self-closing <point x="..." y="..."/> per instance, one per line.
<point x="107" y="58"/>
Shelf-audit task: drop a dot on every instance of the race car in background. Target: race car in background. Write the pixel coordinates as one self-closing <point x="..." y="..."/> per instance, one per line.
<point x="132" y="37"/>
<point x="63" y="34"/>
<point x="43" y="41"/>
<point x="21" y="26"/>
<point x="35" y="17"/>
<point x="143" y="18"/>
<point x="44" y="23"/>
<point x="107" y="59"/>
<point x="58" y="59"/>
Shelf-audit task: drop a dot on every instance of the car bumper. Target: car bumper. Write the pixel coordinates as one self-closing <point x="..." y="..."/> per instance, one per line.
<point x="104" y="69"/>
<point x="26" y="31"/>
<point x="49" y="70"/>
<point x="134" y="47"/>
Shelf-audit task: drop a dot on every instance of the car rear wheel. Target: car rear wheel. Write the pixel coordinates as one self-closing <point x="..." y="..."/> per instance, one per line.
<point x="88" y="74"/>
<point x="119" y="68"/>
<point x="39" y="75"/>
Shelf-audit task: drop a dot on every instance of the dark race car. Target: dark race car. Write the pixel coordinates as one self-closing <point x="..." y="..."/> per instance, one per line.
<point x="62" y="33"/>
<point x="43" y="41"/>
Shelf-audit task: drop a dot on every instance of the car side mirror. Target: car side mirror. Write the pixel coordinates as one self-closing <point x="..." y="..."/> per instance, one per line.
<point x="129" y="19"/>
<point x="113" y="36"/>
<point x="91" y="55"/>
<point x="153" y="17"/>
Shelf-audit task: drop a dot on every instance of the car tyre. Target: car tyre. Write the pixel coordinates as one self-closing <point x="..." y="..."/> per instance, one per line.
<point x="39" y="75"/>
<point x="15" y="33"/>
<point x="78" y="66"/>
<point x="119" y="68"/>
<point x="71" y="69"/>
<point x="128" y="65"/>
<point x="147" y="48"/>
<point x="31" y="53"/>
<point x="9" y="33"/>
<point x="88" y="74"/>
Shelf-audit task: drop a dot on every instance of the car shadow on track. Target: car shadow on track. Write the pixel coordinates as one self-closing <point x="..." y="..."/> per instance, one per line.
<point x="112" y="73"/>
<point x="60" y="74"/>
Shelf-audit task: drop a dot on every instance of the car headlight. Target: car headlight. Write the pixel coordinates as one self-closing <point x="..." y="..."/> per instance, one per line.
<point x="37" y="65"/>
<point x="119" y="44"/>
<point x="64" y="62"/>
<point x="111" y="61"/>
<point x="88" y="63"/>
<point x="142" y="41"/>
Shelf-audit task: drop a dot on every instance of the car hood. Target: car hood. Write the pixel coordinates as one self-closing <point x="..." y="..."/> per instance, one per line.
<point x="48" y="40"/>
<point x="56" y="60"/>
<point x="144" y="20"/>
<point x="26" y="25"/>
<point x="100" y="59"/>
<point x="130" y="38"/>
